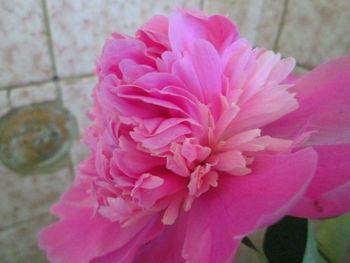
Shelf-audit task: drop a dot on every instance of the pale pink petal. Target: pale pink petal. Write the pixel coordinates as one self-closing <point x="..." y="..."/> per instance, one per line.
<point x="328" y="193"/>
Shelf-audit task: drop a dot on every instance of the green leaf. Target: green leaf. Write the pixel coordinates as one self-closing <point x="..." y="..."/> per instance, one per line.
<point x="334" y="239"/>
<point x="286" y="240"/>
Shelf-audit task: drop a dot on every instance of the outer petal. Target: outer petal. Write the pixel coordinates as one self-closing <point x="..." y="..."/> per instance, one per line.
<point x="324" y="98"/>
<point x="328" y="194"/>
<point x="80" y="239"/>
<point x="240" y="205"/>
<point x="126" y="254"/>
<point x="81" y="235"/>
<point x="212" y="229"/>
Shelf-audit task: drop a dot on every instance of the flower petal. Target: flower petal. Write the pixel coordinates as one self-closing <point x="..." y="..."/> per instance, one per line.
<point x="218" y="30"/>
<point x="84" y="237"/>
<point x="127" y="253"/>
<point x="167" y="247"/>
<point x="324" y="98"/>
<point x="240" y="205"/>
<point x="117" y="49"/>
<point x="328" y="193"/>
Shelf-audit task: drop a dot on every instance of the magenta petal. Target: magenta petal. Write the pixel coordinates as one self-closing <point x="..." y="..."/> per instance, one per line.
<point x="324" y="98"/>
<point x="127" y="253"/>
<point x="84" y="237"/>
<point x="240" y="205"/>
<point x="328" y="193"/>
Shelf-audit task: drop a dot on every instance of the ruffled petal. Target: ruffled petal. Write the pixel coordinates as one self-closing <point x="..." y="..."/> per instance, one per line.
<point x="328" y="193"/>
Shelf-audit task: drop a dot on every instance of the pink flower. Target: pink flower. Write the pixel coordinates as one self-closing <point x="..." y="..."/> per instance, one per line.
<point x="197" y="140"/>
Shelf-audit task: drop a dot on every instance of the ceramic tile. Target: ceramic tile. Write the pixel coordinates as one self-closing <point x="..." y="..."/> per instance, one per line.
<point x="76" y="96"/>
<point x="258" y="20"/>
<point x="33" y="94"/>
<point x="79" y="28"/>
<point x="19" y="244"/>
<point x="24" y="55"/>
<point x="4" y="106"/>
<point x="316" y="30"/>
<point x="24" y="196"/>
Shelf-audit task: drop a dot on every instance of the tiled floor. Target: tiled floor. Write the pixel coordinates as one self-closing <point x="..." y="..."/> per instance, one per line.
<point x="48" y="50"/>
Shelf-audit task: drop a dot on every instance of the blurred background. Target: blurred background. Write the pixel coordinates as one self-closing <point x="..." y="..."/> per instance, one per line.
<point x="48" y="50"/>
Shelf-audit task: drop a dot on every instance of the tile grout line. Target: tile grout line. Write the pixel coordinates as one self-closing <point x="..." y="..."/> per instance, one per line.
<point x="281" y="24"/>
<point x="41" y="82"/>
<point x="8" y="99"/>
<point x="51" y="49"/>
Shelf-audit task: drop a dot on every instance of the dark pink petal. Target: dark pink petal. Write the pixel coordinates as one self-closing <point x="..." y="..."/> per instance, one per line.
<point x="240" y="205"/>
<point x="324" y="98"/>
<point x="328" y="193"/>
<point x="127" y="253"/>
<point x="85" y="236"/>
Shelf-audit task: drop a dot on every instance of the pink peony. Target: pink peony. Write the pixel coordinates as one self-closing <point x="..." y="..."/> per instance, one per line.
<point x="199" y="139"/>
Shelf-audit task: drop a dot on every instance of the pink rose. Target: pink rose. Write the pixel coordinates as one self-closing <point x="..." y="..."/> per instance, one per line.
<point x="197" y="140"/>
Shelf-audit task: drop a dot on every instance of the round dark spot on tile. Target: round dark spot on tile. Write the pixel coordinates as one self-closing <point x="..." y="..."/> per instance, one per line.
<point x="35" y="137"/>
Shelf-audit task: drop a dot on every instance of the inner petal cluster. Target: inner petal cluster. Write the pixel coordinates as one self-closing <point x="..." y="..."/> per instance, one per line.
<point x="168" y="123"/>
